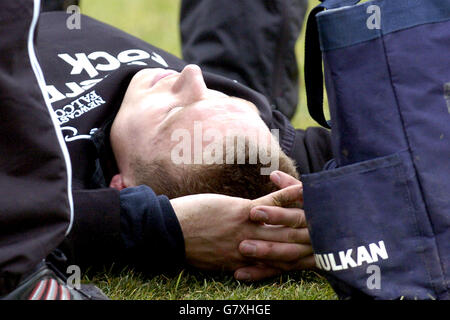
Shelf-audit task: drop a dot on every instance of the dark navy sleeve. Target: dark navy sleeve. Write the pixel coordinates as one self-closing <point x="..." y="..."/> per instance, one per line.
<point x="151" y="232"/>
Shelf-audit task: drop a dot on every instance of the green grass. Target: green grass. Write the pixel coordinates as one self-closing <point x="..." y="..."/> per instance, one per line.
<point x="156" y="21"/>
<point x="196" y="285"/>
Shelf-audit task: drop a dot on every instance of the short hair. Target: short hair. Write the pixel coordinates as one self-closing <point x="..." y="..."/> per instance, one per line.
<point x="234" y="179"/>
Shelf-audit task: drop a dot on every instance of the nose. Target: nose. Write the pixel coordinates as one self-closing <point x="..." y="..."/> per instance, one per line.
<point x="190" y="84"/>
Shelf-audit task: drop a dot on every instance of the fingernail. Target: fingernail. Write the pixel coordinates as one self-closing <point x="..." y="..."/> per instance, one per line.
<point x="240" y="275"/>
<point x="276" y="177"/>
<point x="248" y="249"/>
<point x="261" y="216"/>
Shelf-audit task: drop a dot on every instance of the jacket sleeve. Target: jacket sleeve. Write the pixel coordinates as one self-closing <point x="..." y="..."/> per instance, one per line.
<point x="252" y="42"/>
<point x="133" y="227"/>
<point x="311" y="149"/>
<point x="152" y="235"/>
<point x="95" y="235"/>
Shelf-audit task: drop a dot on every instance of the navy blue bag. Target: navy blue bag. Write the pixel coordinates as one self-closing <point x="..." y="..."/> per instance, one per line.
<point x="379" y="214"/>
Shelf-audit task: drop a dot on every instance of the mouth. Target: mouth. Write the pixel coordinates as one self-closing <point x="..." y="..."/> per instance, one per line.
<point x="162" y="75"/>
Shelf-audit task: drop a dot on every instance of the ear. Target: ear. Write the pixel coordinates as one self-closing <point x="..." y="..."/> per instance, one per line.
<point x="117" y="182"/>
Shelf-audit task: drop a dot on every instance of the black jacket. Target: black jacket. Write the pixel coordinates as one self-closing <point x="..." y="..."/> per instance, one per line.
<point x="87" y="72"/>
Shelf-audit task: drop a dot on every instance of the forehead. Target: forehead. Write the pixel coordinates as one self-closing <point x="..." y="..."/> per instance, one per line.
<point x="204" y="122"/>
<point x="219" y="111"/>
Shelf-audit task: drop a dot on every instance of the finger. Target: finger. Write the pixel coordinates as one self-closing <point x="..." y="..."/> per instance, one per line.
<point x="289" y="217"/>
<point x="279" y="234"/>
<point x="283" y="180"/>
<point x="276" y="251"/>
<point x="301" y="264"/>
<point x="255" y="273"/>
<point x="281" y="198"/>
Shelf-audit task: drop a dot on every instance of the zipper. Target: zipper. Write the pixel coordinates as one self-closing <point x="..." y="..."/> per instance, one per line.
<point x="41" y="82"/>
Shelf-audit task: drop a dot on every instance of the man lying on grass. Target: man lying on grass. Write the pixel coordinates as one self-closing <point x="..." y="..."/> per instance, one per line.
<point x="157" y="184"/>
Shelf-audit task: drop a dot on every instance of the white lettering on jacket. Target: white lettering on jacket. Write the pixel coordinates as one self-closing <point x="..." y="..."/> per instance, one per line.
<point x="94" y="62"/>
<point x="343" y="260"/>
<point x="79" y="107"/>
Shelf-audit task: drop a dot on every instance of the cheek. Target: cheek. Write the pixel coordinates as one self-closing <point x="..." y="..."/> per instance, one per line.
<point x="151" y="111"/>
<point x="160" y="147"/>
<point x="216" y="94"/>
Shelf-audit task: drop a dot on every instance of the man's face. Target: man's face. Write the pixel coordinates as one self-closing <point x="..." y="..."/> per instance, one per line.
<point x="158" y="102"/>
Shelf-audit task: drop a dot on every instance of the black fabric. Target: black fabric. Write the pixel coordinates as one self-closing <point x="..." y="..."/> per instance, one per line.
<point x="311" y="149"/>
<point x="52" y="5"/>
<point x="34" y="206"/>
<point x="252" y="42"/>
<point x="95" y="239"/>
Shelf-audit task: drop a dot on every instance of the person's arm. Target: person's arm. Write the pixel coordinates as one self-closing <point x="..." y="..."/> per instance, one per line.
<point x="152" y="235"/>
<point x="95" y="239"/>
<point x="133" y="227"/>
<point x="252" y="42"/>
<point x="214" y="226"/>
<point x="311" y="149"/>
<point x="148" y="232"/>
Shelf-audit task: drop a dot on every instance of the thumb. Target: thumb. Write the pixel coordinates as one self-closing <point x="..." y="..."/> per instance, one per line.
<point x="281" y="198"/>
<point x="283" y="180"/>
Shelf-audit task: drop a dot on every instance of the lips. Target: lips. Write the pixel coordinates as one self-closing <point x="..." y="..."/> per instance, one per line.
<point x="162" y="75"/>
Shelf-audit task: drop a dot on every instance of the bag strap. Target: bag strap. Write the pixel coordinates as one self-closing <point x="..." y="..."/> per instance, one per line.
<point x="313" y="61"/>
